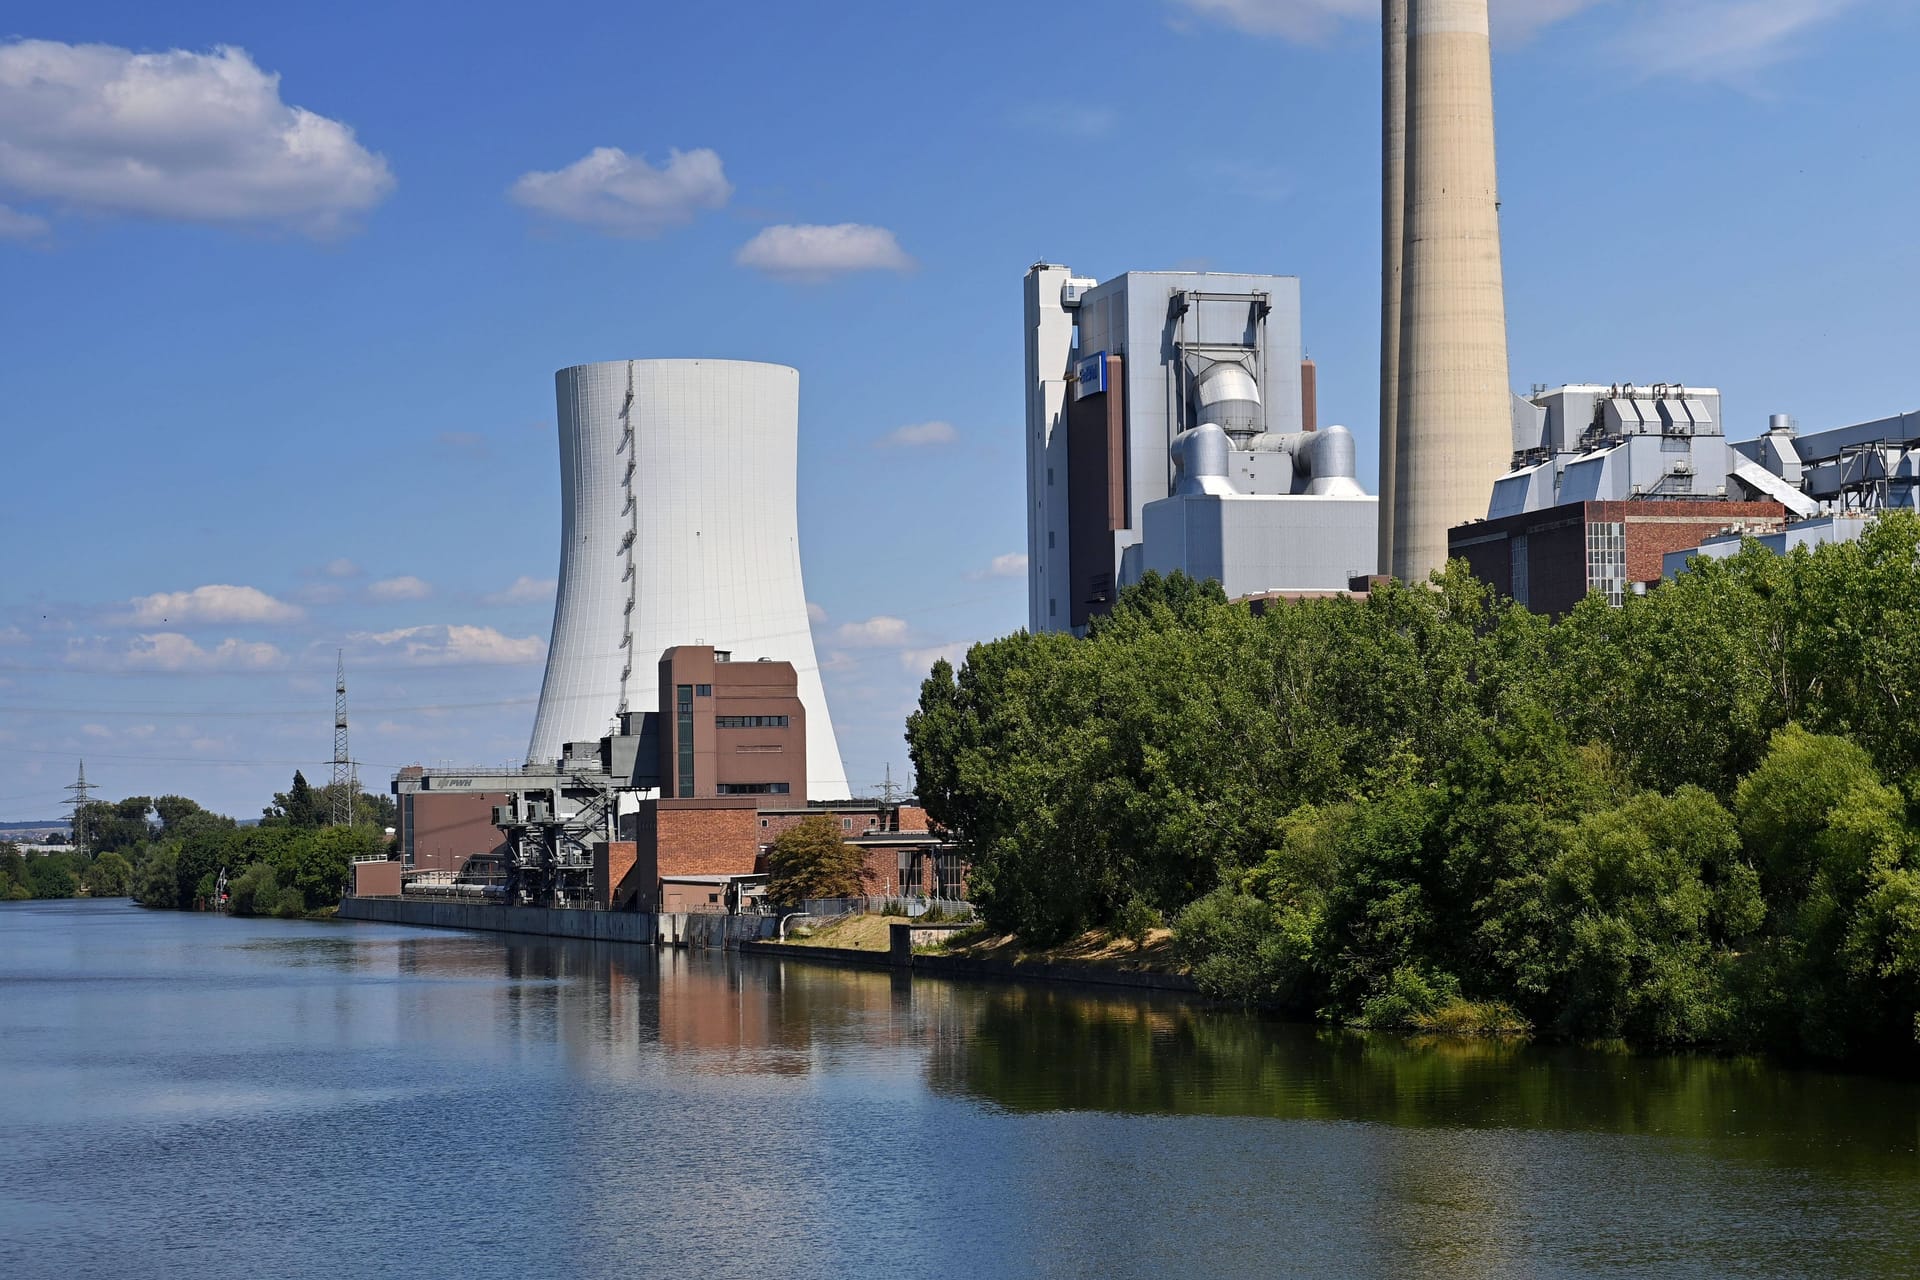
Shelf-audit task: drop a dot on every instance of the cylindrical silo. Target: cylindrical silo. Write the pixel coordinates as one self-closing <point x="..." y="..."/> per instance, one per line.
<point x="1454" y="420"/>
<point x="678" y="526"/>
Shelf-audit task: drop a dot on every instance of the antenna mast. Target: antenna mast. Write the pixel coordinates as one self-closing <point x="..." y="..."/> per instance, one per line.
<point x="344" y="782"/>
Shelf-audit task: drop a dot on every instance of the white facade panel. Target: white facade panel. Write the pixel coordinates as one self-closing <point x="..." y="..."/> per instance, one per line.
<point x="678" y="526"/>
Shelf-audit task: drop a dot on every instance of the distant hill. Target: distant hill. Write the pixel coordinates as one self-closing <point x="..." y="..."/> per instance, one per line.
<point x="51" y="824"/>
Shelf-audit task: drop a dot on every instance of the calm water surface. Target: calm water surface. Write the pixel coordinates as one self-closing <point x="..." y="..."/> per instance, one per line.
<point x="200" y="1097"/>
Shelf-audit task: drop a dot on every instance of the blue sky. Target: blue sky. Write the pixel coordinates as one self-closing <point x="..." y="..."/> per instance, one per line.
<point x="280" y="308"/>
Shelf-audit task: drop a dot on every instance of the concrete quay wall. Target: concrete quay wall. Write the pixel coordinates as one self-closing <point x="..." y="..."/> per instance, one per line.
<point x="484" y="917"/>
<point x="696" y="929"/>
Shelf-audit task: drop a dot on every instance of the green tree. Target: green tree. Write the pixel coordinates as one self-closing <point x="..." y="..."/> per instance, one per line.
<point x="811" y="860"/>
<point x="155" y="880"/>
<point x="298" y="806"/>
<point x="109" y="876"/>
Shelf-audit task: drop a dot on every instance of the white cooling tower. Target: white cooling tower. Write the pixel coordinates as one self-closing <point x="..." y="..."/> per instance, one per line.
<point x="678" y="526"/>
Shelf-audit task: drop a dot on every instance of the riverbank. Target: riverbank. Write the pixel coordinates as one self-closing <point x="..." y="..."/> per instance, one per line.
<point x="1096" y="958"/>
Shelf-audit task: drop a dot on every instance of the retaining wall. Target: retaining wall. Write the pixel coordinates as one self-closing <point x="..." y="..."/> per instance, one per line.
<point x="595" y="926"/>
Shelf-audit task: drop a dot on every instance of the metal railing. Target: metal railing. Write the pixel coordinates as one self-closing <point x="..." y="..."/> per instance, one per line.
<point x="911" y="907"/>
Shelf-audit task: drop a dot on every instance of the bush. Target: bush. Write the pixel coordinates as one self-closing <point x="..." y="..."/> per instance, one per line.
<point x="1136" y="921"/>
<point x="291" y="904"/>
<point x="255" y="891"/>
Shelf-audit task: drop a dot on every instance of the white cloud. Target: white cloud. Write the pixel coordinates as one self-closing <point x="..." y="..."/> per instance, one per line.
<point x="216" y="602"/>
<point x="524" y="590"/>
<point x="14" y="636"/>
<point x="1011" y="565"/>
<point x="1065" y="119"/>
<point x="922" y="660"/>
<point x="1694" y="39"/>
<point x="171" y="651"/>
<point x="876" y="632"/>
<point x="919" y="435"/>
<point x="612" y="191"/>
<point x="96" y="731"/>
<point x="200" y="137"/>
<point x="1294" y="19"/>
<point x="15" y="225"/>
<point x="448" y="646"/>
<point x="813" y="253"/>
<point x="815" y="613"/>
<point x="341" y="568"/>
<point x="1723" y="39"/>
<point x="404" y="587"/>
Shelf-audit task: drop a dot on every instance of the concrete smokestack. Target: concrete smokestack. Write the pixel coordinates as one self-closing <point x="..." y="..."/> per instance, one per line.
<point x="1454" y="422"/>
<point x="1393" y="198"/>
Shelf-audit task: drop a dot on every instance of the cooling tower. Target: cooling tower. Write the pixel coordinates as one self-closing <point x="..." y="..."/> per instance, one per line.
<point x="1393" y="197"/>
<point x="1453" y="424"/>
<point x="677" y="526"/>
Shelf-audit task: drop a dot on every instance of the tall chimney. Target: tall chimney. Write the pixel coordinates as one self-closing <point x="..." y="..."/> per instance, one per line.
<point x="1393" y="197"/>
<point x="1309" y="394"/>
<point x="1454" y="421"/>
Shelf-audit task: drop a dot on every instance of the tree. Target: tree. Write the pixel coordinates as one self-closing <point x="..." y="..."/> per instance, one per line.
<point x="298" y="806"/>
<point x="109" y="876"/>
<point x="155" y="882"/>
<point x="811" y="860"/>
<point x="120" y="826"/>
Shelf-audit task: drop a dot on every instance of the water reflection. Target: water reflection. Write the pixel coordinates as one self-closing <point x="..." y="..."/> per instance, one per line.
<point x="193" y="1096"/>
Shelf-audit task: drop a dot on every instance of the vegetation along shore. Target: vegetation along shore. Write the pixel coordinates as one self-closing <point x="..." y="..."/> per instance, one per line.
<point x="1690" y="821"/>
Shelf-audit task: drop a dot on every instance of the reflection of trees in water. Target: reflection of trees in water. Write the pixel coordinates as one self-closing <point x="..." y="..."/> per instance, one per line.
<point x="1039" y="1049"/>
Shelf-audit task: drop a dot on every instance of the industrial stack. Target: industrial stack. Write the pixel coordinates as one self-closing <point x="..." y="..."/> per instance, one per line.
<point x="1443" y="356"/>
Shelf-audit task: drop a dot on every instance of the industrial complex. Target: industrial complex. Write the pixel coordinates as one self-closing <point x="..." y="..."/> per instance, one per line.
<point x="1171" y="425"/>
<point x="682" y="724"/>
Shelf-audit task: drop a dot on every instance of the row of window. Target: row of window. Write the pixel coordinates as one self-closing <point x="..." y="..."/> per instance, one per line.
<point x="752" y="788"/>
<point x="750" y="722"/>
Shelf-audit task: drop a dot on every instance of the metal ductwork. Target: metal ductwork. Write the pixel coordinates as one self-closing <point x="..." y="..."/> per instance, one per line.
<point x="1326" y="456"/>
<point x="1200" y="460"/>
<point x="1228" y="396"/>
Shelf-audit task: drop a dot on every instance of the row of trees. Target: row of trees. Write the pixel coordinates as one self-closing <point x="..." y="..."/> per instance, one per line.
<point x="169" y="852"/>
<point x="67" y="874"/>
<point x="1694" y="819"/>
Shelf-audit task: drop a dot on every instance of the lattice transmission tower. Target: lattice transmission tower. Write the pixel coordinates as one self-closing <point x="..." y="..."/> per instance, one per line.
<point x="345" y="781"/>
<point x="82" y="795"/>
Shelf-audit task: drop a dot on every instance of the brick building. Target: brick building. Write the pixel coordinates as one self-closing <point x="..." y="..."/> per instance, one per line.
<point x="1548" y="560"/>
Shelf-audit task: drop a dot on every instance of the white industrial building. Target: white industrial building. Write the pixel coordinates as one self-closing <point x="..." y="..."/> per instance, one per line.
<point x="678" y="527"/>
<point x="1169" y="427"/>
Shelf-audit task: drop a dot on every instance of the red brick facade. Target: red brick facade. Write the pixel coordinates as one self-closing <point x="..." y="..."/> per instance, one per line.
<point x="693" y="838"/>
<point x="614" y="882"/>
<point x="1557" y="543"/>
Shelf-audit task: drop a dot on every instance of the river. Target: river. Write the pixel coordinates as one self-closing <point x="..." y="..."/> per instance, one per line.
<point x="194" y="1096"/>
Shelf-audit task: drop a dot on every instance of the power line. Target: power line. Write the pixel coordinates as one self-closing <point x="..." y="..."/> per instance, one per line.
<point x="123" y="708"/>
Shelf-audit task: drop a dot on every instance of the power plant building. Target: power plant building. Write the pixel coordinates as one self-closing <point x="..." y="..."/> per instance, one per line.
<point x="1168" y="429"/>
<point x="678" y="526"/>
<point x="1613" y="488"/>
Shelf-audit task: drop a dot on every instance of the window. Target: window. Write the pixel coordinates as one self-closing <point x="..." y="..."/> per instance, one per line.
<point x="1521" y="588"/>
<point x="1049" y="539"/>
<point x="750" y="722"/>
<point x="683" y="733"/>
<point x="703" y="691"/>
<point x="1052" y="607"/>
<point x="846" y="824"/>
<point x="1049" y="475"/>
<point x="753" y="789"/>
<point x="1607" y="560"/>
